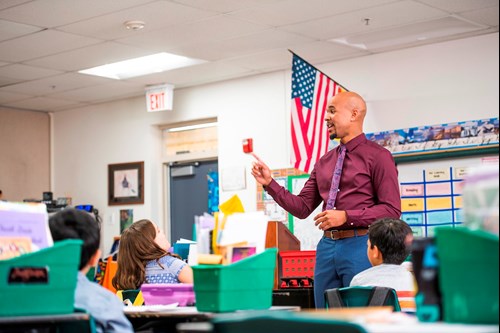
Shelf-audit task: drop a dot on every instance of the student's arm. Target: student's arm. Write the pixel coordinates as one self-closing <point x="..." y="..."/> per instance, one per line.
<point x="186" y="274"/>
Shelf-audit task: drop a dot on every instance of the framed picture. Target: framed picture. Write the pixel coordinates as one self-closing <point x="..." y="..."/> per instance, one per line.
<point x="126" y="183"/>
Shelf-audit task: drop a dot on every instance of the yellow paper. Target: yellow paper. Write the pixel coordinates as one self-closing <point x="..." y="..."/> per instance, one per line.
<point x="233" y="205"/>
<point x="412" y="205"/>
<point x="439" y="203"/>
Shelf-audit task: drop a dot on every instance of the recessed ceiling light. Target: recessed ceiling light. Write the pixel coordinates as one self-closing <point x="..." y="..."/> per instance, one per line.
<point x="155" y="63"/>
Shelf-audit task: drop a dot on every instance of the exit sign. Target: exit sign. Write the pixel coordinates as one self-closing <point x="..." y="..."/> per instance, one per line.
<point x="159" y="98"/>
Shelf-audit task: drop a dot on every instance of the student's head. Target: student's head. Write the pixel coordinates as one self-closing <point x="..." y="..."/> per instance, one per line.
<point x="143" y="241"/>
<point x="345" y="115"/>
<point x="72" y="223"/>
<point x="389" y="241"/>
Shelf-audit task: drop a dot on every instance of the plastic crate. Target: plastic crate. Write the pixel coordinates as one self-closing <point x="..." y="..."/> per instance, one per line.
<point x="52" y="272"/>
<point x="168" y="293"/>
<point x="468" y="275"/>
<point x="296" y="264"/>
<point x="243" y="285"/>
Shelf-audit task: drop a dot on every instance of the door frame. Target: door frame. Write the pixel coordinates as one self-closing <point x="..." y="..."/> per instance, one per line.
<point x="166" y="169"/>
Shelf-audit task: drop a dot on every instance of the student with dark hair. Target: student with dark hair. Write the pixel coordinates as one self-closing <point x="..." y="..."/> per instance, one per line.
<point x="389" y="244"/>
<point x="104" y="306"/>
<point x="143" y="257"/>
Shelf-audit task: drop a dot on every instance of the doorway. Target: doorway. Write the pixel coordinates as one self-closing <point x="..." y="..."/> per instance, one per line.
<point x="188" y="196"/>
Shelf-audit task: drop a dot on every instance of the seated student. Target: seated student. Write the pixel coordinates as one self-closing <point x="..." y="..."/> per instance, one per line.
<point x="143" y="257"/>
<point x="389" y="244"/>
<point x="104" y="307"/>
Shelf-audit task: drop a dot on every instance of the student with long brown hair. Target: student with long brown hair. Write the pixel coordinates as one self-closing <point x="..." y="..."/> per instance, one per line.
<point x="143" y="257"/>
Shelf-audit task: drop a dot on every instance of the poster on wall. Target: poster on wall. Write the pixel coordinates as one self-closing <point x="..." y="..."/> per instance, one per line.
<point x="438" y="138"/>
<point x="126" y="218"/>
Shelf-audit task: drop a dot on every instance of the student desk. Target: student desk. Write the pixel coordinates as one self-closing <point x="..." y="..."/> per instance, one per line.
<point x="167" y="320"/>
<point x="206" y="327"/>
<point x="68" y="323"/>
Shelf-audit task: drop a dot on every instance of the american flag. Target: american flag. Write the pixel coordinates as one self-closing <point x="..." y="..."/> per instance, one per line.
<point x="311" y="91"/>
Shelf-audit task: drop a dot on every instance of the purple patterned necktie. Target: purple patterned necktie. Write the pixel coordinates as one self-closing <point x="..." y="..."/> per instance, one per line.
<point x="336" y="179"/>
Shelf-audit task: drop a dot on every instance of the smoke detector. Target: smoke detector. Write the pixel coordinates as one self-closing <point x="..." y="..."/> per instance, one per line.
<point x="134" y="25"/>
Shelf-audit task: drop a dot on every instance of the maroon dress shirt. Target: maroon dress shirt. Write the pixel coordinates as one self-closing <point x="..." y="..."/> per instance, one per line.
<point x="369" y="187"/>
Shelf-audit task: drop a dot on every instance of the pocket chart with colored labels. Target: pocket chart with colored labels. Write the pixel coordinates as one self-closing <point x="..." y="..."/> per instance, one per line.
<point x="434" y="201"/>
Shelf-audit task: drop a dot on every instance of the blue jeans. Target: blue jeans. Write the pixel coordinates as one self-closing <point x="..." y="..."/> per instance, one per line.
<point x="337" y="261"/>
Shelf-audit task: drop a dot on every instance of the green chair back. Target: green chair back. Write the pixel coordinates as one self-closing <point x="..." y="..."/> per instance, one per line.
<point x="361" y="296"/>
<point x="281" y="321"/>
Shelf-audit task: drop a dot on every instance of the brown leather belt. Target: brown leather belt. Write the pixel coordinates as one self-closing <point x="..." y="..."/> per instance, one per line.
<point x="340" y="234"/>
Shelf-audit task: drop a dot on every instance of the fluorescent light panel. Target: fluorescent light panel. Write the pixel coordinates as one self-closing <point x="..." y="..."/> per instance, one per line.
<point x="192" y="127"/>
<point x="155" y="63"/>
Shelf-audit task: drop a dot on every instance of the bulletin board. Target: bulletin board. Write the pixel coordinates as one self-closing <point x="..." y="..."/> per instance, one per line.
<point x="431" y="192"/>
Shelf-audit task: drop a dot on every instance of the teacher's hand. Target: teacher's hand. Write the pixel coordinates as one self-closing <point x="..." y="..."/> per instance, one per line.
<point x="328" y="219"/>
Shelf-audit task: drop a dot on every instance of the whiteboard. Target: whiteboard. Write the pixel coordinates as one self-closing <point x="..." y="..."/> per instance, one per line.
<point x="304" y="229"/>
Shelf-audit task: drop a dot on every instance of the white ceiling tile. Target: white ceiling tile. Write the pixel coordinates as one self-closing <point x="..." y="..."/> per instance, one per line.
<point x="294" y="11"/>
<point x="198" y="74"/>
<point x="263" y="61"/>
<point x="100" y="93"/>
<point x="55" y="84"/>
<point x="23" y="72"/>
<point x="11" y="3"/>
<point x="53" y="13"/>
<point x="411" y="33"/>
<point x="486" y="16"/>
<point x="111" y="26"/>
<point x="393" y="14"/>
<point x="9" y="30"/>
<point x="225" y="6"/>
<point x="41" y="44"/>
<point x="320" y="52"/>
<point x="239" y="37"/>
<point x="6" y="97"/>
<point x="7" y="81"/>
<point x="90" y="56"/>
<point x="457" y="6"/>
<point x="244" y="45"/>
<point x="214" y="28"/>
<point x="41" y="104"/>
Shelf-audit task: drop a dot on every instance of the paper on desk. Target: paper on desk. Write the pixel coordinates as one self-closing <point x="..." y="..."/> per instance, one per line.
<point x="150" y="308"/>
<point x="245" y="227"/>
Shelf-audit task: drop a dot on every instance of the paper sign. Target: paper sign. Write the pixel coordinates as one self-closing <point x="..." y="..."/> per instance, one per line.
<point x="245" y="227"/>
<point x="412" y="190"/>
<point x="438" y="188"/>
<point x="25" y="220"/>
<point x="441" y="217"/>
<point x="460" y="173"/>
<point x="438" y="203"/>
<point x="458" y="187"/>
<point x="437" y="174"/>
<point x="458" y="202"/>
<point x="413" y="218"/>
<point x="412" y="205"/>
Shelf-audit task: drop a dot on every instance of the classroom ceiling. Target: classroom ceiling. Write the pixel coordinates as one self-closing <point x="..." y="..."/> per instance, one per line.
<point x="44" y="43"/>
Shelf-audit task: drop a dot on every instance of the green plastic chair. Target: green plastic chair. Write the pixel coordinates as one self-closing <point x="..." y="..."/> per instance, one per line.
<point x="361" y="297"/>
<point x="134" y="296"/>
<point x="281" y="321"/>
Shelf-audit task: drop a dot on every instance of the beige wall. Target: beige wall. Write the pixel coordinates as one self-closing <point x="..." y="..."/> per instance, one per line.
<point x="24" y="154"/>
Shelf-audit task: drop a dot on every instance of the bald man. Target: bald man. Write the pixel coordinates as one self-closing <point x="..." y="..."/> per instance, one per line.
<point x="368" y="191"/>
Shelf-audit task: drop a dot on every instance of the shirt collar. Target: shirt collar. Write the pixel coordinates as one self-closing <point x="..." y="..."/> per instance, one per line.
<point x="351" y="145"/>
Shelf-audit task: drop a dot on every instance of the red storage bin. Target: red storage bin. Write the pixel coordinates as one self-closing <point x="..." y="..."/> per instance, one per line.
<point x="296" y="264"/>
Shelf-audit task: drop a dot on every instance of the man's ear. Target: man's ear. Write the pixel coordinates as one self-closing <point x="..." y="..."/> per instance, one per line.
<point x="354" y="114"/>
